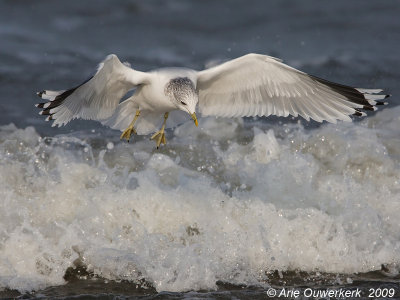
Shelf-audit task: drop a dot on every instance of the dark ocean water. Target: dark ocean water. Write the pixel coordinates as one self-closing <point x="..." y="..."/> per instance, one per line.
<point x="222" y="212"/>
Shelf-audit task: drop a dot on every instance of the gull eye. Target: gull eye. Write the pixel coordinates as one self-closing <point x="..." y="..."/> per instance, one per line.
<point x="183" y="103"/>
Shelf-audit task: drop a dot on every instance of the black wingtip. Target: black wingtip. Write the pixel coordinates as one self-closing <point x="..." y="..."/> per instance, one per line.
<point x="41" y="93"/>
<point x="40" y="105"/>
<point x="354" y="95"/>
<point x="368" y="107"/>
<point x="45" y="112"/>
<point x="381" y="102"/>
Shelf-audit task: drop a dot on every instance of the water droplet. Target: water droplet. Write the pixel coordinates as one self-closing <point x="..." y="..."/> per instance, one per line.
<point x="110" y="145"/>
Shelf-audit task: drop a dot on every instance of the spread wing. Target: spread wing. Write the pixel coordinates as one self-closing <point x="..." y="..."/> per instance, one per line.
<point x="94" y="99"/>
<point x="260" y="85"/>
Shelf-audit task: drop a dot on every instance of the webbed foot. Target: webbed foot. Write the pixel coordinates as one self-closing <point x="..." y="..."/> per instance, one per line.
<point x="127" y="133"/>
<point x="159" y="137"/>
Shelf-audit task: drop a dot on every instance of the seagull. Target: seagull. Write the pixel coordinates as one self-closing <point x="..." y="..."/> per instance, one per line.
<point x="251" y="85"/>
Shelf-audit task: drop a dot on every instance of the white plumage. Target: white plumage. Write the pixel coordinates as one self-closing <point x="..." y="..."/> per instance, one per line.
<point x="251" y="85"/>
<point x="259" y="85"/>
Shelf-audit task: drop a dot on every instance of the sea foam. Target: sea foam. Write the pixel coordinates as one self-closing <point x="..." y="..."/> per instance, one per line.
<point x="224" y="202"/>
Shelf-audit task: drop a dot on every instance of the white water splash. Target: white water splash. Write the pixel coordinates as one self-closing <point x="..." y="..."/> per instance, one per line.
<point x="223" y="202"/>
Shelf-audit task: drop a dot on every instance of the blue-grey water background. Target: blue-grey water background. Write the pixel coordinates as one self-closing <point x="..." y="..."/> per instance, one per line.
<point x="224" y="207"/>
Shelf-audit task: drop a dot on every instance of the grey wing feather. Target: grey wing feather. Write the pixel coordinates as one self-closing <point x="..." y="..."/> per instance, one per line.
<point x="95" y="99"/>
<point x="260" y="85"/>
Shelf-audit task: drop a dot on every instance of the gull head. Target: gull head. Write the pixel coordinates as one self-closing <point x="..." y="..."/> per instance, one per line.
<point x="182" y="92"/>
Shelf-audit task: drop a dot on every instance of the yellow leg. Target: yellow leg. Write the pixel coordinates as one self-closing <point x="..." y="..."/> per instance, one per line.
<point x="128" y="132"/>
<point x="159" y="136"/>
